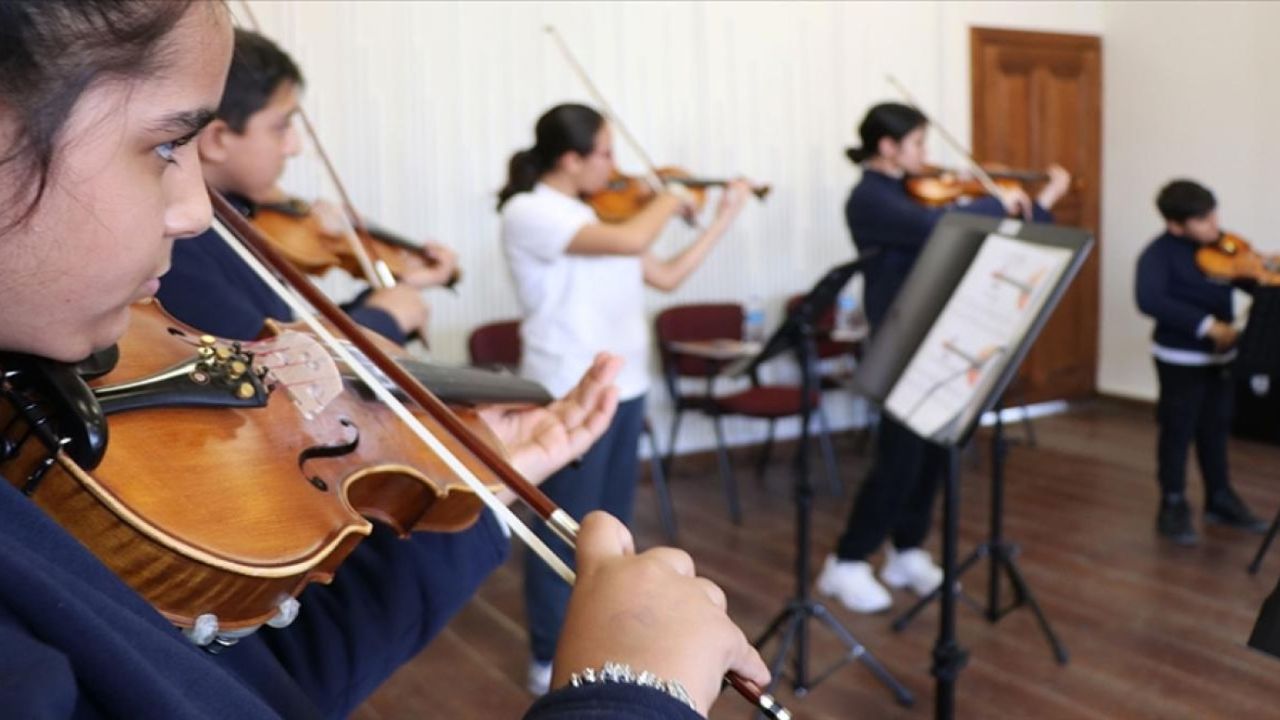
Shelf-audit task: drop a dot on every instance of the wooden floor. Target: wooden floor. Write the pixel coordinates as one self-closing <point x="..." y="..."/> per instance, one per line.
<point x="1153" y="631"/>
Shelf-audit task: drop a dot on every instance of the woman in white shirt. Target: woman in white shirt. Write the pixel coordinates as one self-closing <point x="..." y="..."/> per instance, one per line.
<point x="580" y="284"/>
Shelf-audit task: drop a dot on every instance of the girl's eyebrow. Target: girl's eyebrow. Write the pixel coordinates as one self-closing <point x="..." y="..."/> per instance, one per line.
<point x="184" y="122"/>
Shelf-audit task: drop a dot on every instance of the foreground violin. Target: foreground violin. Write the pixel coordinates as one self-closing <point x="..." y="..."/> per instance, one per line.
<point x="626" y="195"/>
<point x="274" y="460"/>
<point x="1232" y="258"/>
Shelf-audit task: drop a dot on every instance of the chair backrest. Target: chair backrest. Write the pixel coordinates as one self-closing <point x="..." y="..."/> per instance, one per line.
<point x="496" y="345"/>
<point x="701" y="321"/>
<point x="826" y="322"/>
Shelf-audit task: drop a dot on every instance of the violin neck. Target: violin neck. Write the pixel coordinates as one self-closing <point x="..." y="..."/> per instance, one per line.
<point x="380" y="233"/>
<point x="1029" y="176"/>
<point x="696" y="183"/>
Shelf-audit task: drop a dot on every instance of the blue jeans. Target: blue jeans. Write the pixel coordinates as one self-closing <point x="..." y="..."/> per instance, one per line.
<point x="605" y="479"/>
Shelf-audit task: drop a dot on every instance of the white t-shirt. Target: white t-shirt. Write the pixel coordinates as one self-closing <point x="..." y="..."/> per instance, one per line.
<point x="573" y="306"/>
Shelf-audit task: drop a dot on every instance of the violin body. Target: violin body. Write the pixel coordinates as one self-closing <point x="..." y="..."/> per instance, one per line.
<point x="227" y="500"/>
<point x="297" y="233"/>
<point x="937" y="187"/>
<point x="625" y="195"/>
<point x="1232" y="258"/>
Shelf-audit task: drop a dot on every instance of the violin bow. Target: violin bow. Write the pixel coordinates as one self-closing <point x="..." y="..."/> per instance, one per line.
<point x="988" y="184"/>
<point x="655" y="182"/>
<point x="375" y="272"/>
<point x="257" y="252"/>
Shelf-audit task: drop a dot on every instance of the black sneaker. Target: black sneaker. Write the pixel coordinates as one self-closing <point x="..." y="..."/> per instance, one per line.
<point x="1174" y="521"/>
<point x="1226" y="508"/>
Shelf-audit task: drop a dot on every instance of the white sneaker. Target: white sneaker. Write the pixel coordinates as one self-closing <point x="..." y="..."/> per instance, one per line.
<point x="912" y="568"/>
<point x="539" y="679"/>
<point x="853" y="584"/>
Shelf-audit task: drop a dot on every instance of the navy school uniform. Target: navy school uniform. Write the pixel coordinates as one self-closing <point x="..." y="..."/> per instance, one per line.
<point x="1195" y="402"/>
<point x="210" y="288"/>
<point x="76" y="642"/>
<point x="896" y="501"/>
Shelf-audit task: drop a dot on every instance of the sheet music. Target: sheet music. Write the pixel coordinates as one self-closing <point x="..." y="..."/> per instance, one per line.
<point x="969" y="344"/>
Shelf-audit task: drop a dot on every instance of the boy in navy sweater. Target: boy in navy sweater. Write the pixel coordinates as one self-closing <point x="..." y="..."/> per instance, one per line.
<point x="1193" y="346"/>
<point x="243" y="153"/>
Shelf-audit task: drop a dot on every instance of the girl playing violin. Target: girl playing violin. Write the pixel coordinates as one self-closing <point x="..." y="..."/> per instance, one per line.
<point x="243" y="153"/>
<point x="1193" y="346"/>
<point x="99" y="103"/>
<point x="897" y="498"/>
<point x="580" y="283"/>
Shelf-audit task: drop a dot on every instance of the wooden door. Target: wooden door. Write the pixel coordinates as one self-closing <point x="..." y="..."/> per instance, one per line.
<point x="1037" y="99"/>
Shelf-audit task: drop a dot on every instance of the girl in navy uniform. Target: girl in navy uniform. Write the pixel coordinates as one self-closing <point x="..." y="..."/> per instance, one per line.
<point x="896" y="500"/>
<point x="99" y="103"/>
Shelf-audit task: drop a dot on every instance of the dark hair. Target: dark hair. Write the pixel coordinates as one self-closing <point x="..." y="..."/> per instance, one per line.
<point x="886" y="120"/>
<point x="258" y="68"/>
<point x="51" y="53"/>
<point x="1182" y="200"/>
<point x="563" y="128"/>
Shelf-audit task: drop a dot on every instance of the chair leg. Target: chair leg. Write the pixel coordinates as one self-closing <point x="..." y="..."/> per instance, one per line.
<point x="829" y="453"/>
<point x="726" y="474"/>
<point x="671" y="444"/>
<point x="1028" y="426"/>
<point x="665" y="508"/>
<point x="766" y="453"/>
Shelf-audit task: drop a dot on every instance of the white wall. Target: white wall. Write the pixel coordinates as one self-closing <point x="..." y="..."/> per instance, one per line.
<point x="1189" y="91"/>
<point x="421" y="104"/>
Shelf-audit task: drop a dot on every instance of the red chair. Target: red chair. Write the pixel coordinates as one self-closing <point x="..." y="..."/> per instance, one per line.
<point x="497" y="345"/>
<point x="712" y="321"/>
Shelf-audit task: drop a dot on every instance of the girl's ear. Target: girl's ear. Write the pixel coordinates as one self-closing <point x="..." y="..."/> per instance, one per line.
<point x="211" y="142"/>
<point x="569" y="162"/>
<point x="887" y="147"/>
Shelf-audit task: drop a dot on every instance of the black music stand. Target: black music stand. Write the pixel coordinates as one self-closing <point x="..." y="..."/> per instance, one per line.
<point x="796" y="334"/>
<point x="1002" y="554"/>
<point x="914" y="366"/>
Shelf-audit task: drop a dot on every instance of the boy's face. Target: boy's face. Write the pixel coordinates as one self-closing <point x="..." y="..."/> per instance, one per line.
<point x="251" y="162"/>
<point x="1203" y="229"/>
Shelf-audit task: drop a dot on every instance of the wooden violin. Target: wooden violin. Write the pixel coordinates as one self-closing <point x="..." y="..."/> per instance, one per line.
<point x="274" y="460"/>
<point x="301" y="237"/>
<point x="626" y="195"/>
<point x="1232" y="258"/>
<point x="942" y="186"/>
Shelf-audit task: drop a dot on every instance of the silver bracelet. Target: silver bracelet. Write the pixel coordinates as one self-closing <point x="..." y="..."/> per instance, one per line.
<point x="613" y="672"/>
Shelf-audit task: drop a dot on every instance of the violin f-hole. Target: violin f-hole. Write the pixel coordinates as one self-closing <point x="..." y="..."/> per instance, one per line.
<point x="329" y="451"/>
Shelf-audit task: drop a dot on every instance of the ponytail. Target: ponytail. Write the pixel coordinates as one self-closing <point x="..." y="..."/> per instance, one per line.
<point x="563" y="128"/>
<point x="523" y="172"/>
<point x="858" y="154"/>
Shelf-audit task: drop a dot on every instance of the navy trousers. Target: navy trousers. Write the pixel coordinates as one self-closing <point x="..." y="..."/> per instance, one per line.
<point x="605" y="479"/>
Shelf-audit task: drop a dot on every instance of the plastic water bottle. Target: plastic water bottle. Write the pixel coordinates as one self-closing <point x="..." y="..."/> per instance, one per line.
<point x="753" y="320"/>
<point x="846" y="313"/>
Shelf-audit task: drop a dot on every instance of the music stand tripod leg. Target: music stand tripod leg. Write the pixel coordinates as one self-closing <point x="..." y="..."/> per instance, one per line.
<point x="1002" y="555"/>
<point x="802" y="607"/>
<point x="1266" y="543"/>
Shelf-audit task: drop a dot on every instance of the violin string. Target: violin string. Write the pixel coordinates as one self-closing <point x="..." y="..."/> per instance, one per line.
<point x="983" y="177"/>
<point x="431" y="441"/>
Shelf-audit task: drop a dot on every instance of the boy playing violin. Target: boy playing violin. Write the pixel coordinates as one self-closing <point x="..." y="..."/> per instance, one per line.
<point x="243" y="153"/>
<point x="1193" y="346"/>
